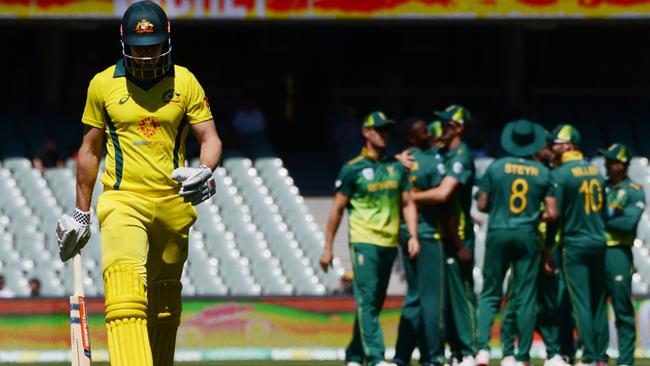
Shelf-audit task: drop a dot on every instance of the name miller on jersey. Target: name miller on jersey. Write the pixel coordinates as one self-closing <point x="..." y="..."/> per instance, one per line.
<point x="580" y="171"/>
<point x="521" y="169"/>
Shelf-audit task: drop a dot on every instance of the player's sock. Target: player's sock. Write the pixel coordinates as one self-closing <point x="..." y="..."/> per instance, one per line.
<point x="126" y="317"/>
<point x="164" y="316"/>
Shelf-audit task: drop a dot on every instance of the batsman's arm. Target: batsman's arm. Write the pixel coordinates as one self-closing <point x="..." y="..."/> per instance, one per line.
<point x="333" y="222"/>
<point x="88" y="164"/>
<point x="211" y="147"/>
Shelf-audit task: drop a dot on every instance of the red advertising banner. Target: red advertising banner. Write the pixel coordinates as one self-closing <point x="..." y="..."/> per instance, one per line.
<point x="335" y="9"/>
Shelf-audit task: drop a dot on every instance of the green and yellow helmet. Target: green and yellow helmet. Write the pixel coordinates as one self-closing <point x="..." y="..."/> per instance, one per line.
<point x="145" y="24"/>
<point x="617" y="152"/>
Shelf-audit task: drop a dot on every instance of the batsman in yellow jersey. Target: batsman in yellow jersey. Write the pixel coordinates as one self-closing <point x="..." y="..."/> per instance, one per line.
<point x="142" y="108"/>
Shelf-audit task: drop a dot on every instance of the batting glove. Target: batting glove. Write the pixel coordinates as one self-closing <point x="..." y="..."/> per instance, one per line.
<point x="197" y="184"/>
<point x="72" y="233"/>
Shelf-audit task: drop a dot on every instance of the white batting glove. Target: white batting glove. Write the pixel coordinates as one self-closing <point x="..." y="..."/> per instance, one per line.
<point x="197" y="184"/>
<point x="72" y="233"/>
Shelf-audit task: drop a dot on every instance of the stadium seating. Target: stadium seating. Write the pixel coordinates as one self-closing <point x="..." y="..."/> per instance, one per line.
<point x="254" y="237"/>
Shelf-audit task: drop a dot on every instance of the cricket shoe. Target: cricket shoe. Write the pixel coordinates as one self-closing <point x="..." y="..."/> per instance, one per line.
<point x="509" y="361"/>
<point x="467" y="361"/>
<point x="483" y="358"/>
<point x="556" y="360"/>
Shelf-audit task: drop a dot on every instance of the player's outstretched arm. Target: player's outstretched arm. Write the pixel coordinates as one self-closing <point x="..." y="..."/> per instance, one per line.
<point x="73" y="232"/>
<point x="333" y="222"/>
<point x="436" y="195"/>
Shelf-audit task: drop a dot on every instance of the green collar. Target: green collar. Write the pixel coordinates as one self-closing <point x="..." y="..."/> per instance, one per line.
<point x="120" y="71"/>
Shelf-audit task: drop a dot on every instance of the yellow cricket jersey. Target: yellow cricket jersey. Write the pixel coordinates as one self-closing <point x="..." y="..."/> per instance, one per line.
<point x="145" y="128"/>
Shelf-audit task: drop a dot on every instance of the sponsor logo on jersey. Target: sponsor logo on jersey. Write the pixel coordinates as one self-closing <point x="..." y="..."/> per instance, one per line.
<point x="124" y="99"/>
<point x="144" y="26"/>
<point x="148" y="127"/>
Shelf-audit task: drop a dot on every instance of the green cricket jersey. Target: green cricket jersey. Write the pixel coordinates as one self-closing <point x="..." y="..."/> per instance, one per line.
<point x="427" y="172"/>
<point x="625" y="204"/>
<point x="460" y="165"/>
<point x="517" y="188"/>
<point x="579" y="190"/>
<point x="374" y="187"/>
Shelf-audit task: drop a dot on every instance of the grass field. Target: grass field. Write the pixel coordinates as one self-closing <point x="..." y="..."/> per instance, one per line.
<point x="638" y="362"/>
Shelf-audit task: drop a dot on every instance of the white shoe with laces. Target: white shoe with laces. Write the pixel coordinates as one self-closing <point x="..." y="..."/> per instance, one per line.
<point x="509" y="361"/>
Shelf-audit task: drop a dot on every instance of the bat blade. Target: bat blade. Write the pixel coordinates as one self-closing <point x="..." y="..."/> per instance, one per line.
<point x="79" y="336"/>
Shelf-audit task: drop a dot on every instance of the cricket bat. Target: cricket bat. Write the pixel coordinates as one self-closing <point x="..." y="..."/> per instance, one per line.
<point x="79" y="338"/>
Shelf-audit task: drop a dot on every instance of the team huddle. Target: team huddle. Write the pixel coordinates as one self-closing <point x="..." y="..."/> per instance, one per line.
<point x="561" y="230"/>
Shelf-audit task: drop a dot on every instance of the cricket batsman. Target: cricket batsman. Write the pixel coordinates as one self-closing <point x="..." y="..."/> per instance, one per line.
<point x="625" y="204"/>
<point x="142" y="108"/>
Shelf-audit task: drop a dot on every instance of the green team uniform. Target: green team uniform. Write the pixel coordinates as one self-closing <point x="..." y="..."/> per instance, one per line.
<point x="547" y="316"/>
<point x="460" y="303"/>
<point x="579" y="190"/>
<point x="421" y="317"/>
<point x="374" y="188"/>
<point x="625" y="203"/>
<point x="516" y="187"/>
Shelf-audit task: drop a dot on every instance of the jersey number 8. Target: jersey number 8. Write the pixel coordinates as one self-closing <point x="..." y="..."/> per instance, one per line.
<point x="518" y="199"/>
<point x="588" y="188"/>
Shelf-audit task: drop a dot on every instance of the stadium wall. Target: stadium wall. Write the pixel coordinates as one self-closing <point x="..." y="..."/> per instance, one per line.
<point x="217" y="329"/>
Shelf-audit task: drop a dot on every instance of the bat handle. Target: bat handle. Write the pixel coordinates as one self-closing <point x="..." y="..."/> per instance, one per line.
<point x="78" y="276"/>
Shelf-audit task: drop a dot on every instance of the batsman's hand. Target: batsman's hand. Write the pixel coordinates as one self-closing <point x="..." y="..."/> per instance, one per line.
<point x="72" y="233"/>
<point x="197" y="184"/>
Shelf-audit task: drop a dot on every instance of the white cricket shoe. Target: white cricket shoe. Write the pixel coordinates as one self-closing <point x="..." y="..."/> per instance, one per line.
<point x="483" y="358"/>
<point x="509" y="361"/>
<point x="467" y="361"/>
<point x="556" y="360"/>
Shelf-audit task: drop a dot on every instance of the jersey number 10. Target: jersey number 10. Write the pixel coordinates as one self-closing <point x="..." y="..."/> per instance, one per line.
<point x="591" y="203"/>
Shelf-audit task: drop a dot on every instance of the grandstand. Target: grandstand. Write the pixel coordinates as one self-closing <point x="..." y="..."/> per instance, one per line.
<point x="255" y="237"/>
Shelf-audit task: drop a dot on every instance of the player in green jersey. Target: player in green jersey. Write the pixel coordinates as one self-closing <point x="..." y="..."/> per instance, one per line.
<point x="512" y="191"/>
<point x="421" y="318"/>
<point x="579" y="189"/>
<point x="548" y="282"/>
<point x="456" y="190"/>
<point x="376" y="192"/>
<point x="625" y="204"/>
